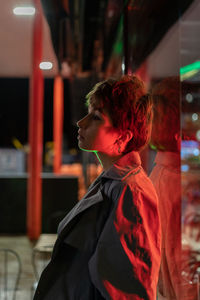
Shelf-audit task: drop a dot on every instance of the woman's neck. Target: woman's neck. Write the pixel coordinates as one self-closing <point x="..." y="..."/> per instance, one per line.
<point x="106" y="160"/>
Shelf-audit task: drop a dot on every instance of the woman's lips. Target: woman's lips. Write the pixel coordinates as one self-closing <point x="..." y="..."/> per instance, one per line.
<point x="80" y="137"/>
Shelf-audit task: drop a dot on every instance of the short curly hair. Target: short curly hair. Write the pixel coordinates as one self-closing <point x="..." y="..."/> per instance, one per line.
<point x="128" y="105"/>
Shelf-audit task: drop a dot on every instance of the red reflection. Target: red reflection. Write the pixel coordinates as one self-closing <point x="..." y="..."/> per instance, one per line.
<point x="174" y="279"/>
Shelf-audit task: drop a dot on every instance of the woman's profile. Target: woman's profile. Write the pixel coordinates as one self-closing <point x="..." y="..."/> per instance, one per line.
<point x="108" y="246"/>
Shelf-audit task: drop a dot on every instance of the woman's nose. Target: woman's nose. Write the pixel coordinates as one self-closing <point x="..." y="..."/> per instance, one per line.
<point x="78" y="123"/>
<point x="82" y="122"/>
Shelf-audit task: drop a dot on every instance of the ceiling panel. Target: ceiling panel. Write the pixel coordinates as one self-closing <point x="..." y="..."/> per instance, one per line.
<point x="179" y="47"/>
<point x="16" y="42"/>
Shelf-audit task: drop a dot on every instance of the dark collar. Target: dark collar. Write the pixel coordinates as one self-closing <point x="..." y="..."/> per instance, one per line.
<point x="127" y="164"/>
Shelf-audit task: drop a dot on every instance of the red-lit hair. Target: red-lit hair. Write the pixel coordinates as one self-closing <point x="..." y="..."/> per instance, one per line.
<point x="166" y="121"/>
<point x="128" y="105"/>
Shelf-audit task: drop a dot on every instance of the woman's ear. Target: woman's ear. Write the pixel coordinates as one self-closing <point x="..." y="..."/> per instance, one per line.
<point x="129" y="135"/>
<point x="124" y="138"/>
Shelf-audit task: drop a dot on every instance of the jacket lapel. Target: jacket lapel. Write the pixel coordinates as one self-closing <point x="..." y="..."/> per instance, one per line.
<point x="93" y="196"/>
<point x="68" y="222"/>
<point x="84" y="204"/>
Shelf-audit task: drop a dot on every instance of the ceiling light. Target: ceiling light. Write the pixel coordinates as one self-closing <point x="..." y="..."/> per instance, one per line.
<point x="46" y="65"/>
<point x="123" y="67"/>
<point x="24" y="10"/>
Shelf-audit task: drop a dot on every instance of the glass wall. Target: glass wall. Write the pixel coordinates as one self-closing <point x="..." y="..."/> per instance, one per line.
<point x="190" y="150"/>
<point x="161" y="42"/>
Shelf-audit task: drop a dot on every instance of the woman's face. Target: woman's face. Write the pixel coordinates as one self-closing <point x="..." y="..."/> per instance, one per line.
<point x="96" y="132"/>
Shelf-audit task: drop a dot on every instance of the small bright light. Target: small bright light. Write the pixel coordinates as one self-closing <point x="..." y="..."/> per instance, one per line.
<point x="24" y="11"/>
<point x="189" y="98"/>
<point x="46" y="65"/>
<point x="198" y="135"/>
<point x="195" y="117"/>
<point x="196" y="152"/>
<point x="184" y="168"/>
<point x="123" y="67"/>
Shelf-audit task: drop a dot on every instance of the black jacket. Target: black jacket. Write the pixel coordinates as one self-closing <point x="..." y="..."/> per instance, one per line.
<point x="108" y="246"/>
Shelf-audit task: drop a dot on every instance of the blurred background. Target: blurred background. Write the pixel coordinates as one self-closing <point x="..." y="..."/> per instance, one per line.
<point x="52" y="53"/>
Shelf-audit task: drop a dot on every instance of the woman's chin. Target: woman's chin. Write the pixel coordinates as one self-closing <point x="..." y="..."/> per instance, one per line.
<point x="85" y="148"/>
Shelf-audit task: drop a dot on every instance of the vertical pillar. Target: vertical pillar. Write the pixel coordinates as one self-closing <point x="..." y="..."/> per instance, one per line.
<point x="58" y="109"/>
<point x="34" y="188"/>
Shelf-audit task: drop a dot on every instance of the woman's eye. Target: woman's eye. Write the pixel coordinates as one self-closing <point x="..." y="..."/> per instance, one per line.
<point x="95" y="117"/>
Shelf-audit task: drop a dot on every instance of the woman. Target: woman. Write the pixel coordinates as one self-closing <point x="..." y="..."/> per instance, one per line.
<point x="108" y="246"/>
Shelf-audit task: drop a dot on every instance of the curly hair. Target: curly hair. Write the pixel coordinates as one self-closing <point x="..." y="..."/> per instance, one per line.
<point x="128" y="105"/>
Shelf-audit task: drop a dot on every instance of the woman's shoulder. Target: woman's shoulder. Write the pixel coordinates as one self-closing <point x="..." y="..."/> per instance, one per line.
<point x="133" y="179"/>
<point x="138" y="180"/>
<point x="140" y="186"/>
<point x="112" y="188"/>
<point x="134" y="183"/>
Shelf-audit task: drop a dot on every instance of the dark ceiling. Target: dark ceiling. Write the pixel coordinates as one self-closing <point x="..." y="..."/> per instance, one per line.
<point x="78" y="26"/>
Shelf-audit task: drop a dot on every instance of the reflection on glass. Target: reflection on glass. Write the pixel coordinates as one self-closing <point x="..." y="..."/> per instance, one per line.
<point x="190" y="152"/>
<point x="166" y="179"/>
<point x="175" y="181"/>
